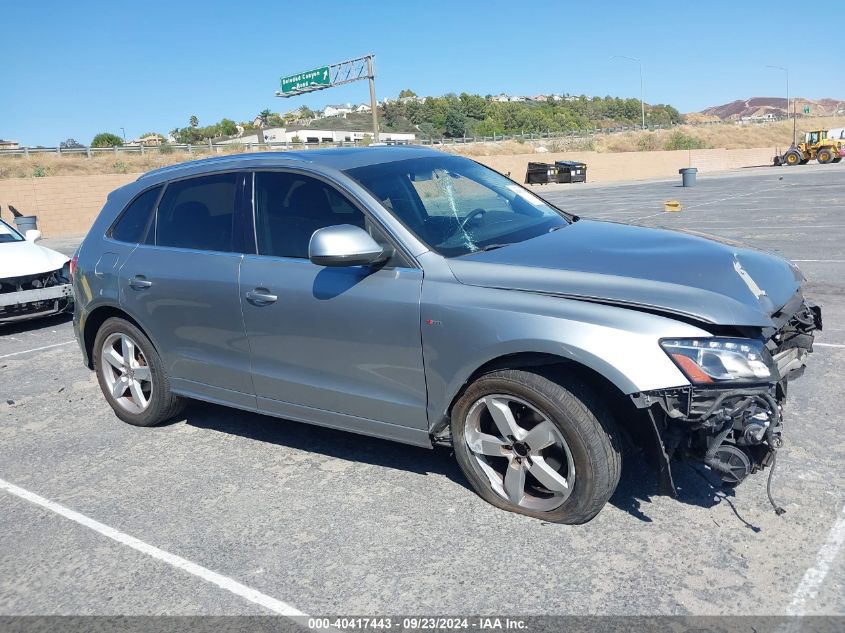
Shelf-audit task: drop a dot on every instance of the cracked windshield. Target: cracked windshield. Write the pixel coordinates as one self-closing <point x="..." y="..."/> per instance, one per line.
<point x="458" y="207"/>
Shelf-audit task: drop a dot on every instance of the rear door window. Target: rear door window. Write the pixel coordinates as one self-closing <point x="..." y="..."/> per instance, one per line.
<point x="199" y="213"/>
<point x="135" y="221"/>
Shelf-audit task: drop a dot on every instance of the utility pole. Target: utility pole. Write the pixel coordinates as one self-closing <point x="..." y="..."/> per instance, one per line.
<point x="786" y="70"/>
<point x="640" y="64"/>
<point x="124" y="135"/>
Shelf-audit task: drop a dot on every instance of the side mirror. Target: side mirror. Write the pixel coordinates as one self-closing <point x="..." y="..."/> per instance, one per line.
<point x="32" y="235"/>
<point x="344" y="245"/>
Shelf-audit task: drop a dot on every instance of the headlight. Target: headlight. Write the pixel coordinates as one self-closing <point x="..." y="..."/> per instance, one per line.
<point x="716" y="360"/>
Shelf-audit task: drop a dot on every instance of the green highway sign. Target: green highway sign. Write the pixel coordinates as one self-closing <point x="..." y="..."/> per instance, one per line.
<point x="806" y="109"/>
<point x="300" y="81"/>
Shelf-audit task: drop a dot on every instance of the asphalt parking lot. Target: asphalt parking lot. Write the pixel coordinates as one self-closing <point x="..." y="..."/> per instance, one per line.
<point x="327" y="522"/>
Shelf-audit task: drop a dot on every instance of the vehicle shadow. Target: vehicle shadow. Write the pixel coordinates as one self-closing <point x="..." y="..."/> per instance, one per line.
<point x="325" y="441"/>
<point x="636" y="488"/>
<point x="638" y="485"/>
<point x="30" y="325"/>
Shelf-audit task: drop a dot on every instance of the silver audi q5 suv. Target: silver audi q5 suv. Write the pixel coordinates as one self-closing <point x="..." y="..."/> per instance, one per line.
<point x="407" y="294"/>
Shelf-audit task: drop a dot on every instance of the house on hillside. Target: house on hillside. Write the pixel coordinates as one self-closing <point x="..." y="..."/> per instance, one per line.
<point x="501" y="98"/>
<point x="4" y="144"/>
<point x="337" y="110"/>
<point x="150" y="140"/>
<point x="363" y="108"/>
<point x="540" y="98"/>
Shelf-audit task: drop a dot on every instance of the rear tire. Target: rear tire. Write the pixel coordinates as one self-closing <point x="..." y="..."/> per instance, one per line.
<point x="132" y="376"/>
<point x="824" y="156"/>
<point x="574" y="465"/>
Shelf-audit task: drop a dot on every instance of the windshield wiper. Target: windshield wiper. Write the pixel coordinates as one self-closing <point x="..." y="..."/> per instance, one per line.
<point x="491" y="247"/>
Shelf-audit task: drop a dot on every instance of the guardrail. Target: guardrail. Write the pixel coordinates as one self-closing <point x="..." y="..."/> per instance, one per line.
<point x="217" y="148"/>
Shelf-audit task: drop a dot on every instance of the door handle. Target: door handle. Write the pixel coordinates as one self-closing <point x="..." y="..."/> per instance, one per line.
<point x="261" y="297"/>
<point x="139" y="282"/>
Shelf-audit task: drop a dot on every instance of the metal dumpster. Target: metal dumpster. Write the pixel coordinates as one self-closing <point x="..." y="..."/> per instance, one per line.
<point x="571" y="171"/>
<point x="540" y="174"/>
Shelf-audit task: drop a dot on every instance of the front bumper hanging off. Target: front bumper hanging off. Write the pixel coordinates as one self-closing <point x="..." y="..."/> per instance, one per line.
<point x="34" y="296"/>
<point x="734" y="430"/>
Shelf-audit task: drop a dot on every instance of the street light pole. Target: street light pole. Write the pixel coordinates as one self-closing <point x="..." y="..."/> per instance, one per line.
<point x="634" y="59"/>
<point x="124" y="134"/>
<point x="786" y="70"/>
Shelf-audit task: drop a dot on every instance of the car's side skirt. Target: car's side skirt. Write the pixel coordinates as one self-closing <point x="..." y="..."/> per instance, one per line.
<point x="299" y="413"/>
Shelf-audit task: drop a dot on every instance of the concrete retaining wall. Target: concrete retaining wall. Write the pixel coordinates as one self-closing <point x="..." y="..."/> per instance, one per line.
<point x="65" y="205"/>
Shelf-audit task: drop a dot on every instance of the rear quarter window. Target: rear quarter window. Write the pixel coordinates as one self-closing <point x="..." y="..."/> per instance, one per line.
<point x="135" y="221"/>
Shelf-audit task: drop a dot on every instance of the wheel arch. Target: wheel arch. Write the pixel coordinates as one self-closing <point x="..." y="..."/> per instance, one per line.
<point x="551" y="365"/>
<point x="95" y="320"/>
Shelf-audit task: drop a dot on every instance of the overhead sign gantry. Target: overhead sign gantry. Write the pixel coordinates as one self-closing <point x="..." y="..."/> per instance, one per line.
<point x="331" y="76"/>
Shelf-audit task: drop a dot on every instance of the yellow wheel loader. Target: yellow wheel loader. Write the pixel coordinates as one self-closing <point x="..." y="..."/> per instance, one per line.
<point x="815" y="146"/>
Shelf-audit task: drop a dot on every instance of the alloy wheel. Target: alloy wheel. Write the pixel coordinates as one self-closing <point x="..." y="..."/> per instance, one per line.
<point x="521" y="452"/>
<point x="126" y="372"/>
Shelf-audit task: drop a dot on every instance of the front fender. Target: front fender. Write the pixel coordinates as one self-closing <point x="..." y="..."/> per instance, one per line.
<point x="465" y="327"/>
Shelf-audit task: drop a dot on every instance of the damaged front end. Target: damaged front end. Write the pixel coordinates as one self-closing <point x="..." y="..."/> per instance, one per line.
<point x="731" y="416"/>
<point x="30" y="296"/>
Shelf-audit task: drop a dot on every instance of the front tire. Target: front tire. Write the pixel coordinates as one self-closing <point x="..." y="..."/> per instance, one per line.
<point x="792" y="157"/>
<point x="132" y="376"/>
<point x="530" y="445"/>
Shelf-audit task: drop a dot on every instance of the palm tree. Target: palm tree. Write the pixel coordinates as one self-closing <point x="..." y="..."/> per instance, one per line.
<point x="264" y="115"/>
<point x="194" y="120"/>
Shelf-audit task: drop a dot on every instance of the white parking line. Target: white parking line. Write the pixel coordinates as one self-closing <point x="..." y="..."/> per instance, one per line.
<point x="828" y="345"/>
<point x="824" y="261"/>
<point x="813" y="578"/>
<point x="36" y="349"/>
<point x="224" y="582"/>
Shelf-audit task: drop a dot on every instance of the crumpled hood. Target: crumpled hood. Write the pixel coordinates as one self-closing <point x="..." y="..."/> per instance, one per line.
<point x="28" y="258"/>
<point x="712" y="280"/>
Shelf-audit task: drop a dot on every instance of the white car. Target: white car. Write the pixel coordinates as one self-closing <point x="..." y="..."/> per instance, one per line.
<point x="34" y="280"/>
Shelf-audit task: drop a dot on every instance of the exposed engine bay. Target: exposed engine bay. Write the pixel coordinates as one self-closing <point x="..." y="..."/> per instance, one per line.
<point x="734" y="430"/>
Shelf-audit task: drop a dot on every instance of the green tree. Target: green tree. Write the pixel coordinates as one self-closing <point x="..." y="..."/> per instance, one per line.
<point x="427" y="130"/>
<point x="194" y="121"/>
<point x="106" y="139"/>
<point x="474" y="106"/>
<point x="456" y="123"/>
<point x="228" y="127"/>
<point x="70" y="143"/>
<point x="407" y="92"/>
<point x="389" y="114"/>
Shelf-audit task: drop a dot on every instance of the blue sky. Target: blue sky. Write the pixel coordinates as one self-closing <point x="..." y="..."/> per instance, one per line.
<point x="72" y="69"/>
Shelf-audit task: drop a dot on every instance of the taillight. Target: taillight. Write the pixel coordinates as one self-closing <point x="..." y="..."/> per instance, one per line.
<point x="73" y="265"/>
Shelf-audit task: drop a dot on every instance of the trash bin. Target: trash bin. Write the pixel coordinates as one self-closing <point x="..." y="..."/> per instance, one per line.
<point x="571" y="171"/>
<point x="26" y="223"/>
<point x="688" y="176"/>
<point x="540" y="174"/>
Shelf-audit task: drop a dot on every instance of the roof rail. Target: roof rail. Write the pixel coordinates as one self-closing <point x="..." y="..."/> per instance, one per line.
<point x="221" y="159"/>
